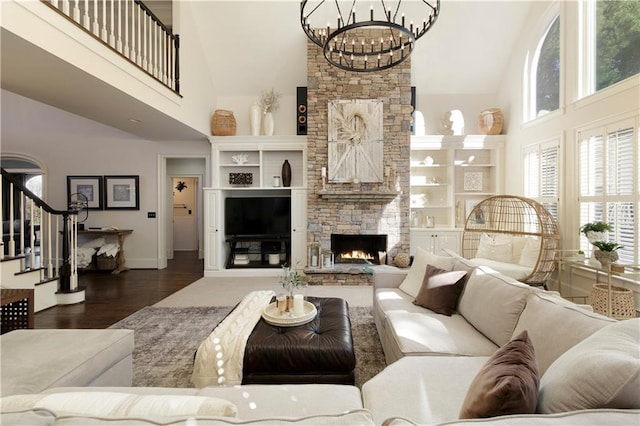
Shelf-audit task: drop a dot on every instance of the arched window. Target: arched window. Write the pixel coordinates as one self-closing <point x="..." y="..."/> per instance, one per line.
<point x="547" y="71"/>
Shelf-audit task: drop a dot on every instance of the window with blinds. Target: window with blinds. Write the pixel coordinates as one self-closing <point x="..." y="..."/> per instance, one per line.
<point x="610" y="184"/>
<point x="541" y="179"/>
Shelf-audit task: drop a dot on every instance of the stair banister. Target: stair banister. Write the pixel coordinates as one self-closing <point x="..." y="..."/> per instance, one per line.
<point x="68" y="251"/>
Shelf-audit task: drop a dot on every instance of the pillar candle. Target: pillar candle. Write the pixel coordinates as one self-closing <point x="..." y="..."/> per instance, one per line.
<point x="298" y="302"/>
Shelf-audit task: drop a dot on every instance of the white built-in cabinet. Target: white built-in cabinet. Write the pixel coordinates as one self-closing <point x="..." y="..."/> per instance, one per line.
<point x="434" y="240"/>
<point x="262" y="158"/>
<point x="212" y="230"/>
<point x="449" y="175"/>
<point x="299" y="227"/>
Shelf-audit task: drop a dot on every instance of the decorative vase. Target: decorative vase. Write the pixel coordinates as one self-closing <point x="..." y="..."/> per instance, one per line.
<point x="593" y="236"/>
<point x="255" y="117"/>
<point x="223" y="123"/>
<point x="605" y="257"/>
<point x="490" y="122"/>
<point x="268" y="124"/>
<point x="286" y="174"/>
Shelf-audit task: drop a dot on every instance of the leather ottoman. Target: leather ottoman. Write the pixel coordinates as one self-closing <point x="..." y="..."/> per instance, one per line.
<point x="320" y="351"/>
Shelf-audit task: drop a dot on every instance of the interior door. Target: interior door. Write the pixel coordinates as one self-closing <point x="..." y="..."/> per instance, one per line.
<point x="185" y="229"/>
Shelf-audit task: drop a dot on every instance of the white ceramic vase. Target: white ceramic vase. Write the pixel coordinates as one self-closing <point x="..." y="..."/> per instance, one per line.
<point x="594" y="236"/>
<point x="268" y="124"/>
<point x="255" y="117"/>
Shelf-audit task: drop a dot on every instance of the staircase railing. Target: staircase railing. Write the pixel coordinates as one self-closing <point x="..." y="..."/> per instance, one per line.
<point x="131" y="29"/>
<point x="51" y="237"/>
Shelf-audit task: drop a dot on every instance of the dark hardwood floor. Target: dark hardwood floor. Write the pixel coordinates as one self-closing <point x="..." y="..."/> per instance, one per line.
<point x="110" y="298"/>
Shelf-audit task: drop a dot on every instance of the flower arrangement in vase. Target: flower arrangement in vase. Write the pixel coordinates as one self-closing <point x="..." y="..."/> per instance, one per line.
<point x="269" y="102"/>
<point x="291" y="279"/>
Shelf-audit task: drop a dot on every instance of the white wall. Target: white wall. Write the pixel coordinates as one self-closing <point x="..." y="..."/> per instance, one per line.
<point x="619" y="101"/>
<point x="242" y="59"/>
<point x="622" y="100"/>
<point x="71" y="145"/>
<point x="48" y="30"/>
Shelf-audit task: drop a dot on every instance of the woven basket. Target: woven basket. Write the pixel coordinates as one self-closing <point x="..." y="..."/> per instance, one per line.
<point x="223" y="123"/>
<point x="622" y="305"/>
<point x="490" y="122"/>
<point x="105" y="263"/>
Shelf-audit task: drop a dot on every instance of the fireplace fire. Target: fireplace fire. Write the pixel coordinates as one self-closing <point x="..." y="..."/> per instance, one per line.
<point x="358" y="248"/>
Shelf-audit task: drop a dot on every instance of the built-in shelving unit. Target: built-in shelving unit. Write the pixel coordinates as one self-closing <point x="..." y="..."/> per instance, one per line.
<point x="449" y="175"/>
<point x="264" y="158"/>
<point x="259" y="159"/>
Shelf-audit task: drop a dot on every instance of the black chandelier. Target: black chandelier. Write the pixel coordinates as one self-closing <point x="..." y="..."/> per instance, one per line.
<point x="350" y="46"/>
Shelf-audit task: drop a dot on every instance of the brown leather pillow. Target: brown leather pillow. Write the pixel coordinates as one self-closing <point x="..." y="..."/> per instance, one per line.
<point x="506" y="384"/>
<point x="441" y="290"/>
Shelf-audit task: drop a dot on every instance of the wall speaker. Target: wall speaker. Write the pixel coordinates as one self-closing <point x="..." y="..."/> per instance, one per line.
<point x="413" y="110"/>
<point x="301" y="112"/>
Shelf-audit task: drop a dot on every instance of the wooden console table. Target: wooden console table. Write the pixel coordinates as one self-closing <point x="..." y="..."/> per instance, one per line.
<point x="121" y="233"/>
<point x="17" y="309"/>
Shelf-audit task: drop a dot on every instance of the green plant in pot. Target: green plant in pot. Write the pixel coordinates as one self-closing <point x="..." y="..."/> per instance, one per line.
<point x="596" y="231"/>
<point x="606" y="252"/>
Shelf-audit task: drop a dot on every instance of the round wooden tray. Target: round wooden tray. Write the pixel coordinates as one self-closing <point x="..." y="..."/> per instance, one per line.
<point x="272" y="315"/>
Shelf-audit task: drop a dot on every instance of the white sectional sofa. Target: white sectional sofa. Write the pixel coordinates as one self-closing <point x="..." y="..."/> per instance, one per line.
<point x="588" y="368"/>
<point x="434" y="357"/>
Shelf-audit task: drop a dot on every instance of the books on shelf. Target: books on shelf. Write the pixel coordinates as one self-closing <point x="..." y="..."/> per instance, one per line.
<point x="241" y="259"/>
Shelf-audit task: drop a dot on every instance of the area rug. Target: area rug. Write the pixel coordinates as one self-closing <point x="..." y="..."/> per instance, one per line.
<point x="166" y="340"/>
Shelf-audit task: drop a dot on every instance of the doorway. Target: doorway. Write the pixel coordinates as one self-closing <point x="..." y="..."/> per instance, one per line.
<point x="180" y="168"/>
<point x="185" y="218"/>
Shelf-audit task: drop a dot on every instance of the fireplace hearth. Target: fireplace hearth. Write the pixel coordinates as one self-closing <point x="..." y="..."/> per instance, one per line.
<point x="358" y="248"/>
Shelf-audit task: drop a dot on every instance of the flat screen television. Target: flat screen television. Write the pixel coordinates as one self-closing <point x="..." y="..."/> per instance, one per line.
<point x="257" y="216"/>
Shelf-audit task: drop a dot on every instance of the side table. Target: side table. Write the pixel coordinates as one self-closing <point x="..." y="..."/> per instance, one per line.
<point x="120" y="233"/>
<point x="17" y="309"/>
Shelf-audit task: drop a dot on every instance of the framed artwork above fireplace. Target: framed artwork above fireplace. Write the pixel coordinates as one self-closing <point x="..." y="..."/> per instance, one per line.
<point x="356" y="141"/>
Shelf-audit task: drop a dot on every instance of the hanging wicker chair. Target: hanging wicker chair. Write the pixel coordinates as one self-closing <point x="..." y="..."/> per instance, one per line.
<point x="516" y="217"/>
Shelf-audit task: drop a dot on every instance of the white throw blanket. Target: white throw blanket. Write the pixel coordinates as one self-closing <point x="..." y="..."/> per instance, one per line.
<point x="220" y="356"/>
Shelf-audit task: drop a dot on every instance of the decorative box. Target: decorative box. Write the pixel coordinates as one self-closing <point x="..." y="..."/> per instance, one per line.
<point x="241" y="179"/>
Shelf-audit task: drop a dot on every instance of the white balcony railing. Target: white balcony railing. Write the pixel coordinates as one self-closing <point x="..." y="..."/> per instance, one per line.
<point x="131" y="29"/>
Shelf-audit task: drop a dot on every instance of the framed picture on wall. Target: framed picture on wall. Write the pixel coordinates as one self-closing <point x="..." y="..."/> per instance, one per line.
<point x="121" y="193"/>
<point x="85" y="189"/>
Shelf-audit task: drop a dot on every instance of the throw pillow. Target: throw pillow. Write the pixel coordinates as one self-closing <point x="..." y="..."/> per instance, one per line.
<point x="441" y="290"/>
<point x="413" y="281"/>
<point x="496" y="247"/>
<point x="506" y="384"/>
<point x="602" y="371"/>
<point x="518" y="243"/>
<point x="530" y="252"/>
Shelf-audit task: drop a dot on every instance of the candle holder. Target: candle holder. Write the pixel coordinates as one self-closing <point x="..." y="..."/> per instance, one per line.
<point x="314" y="255"/>
<point x="327" y="259"/>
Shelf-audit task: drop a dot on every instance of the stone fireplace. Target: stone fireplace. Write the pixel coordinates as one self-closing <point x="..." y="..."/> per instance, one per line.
<point x="350" y="208"/>
<point x="359" y="249"/>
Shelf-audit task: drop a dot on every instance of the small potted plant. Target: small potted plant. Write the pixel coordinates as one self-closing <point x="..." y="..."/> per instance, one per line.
<point x="596" y="231"/>
<point x="291" y="279"/>
<point x="606" y="252"/>
<point x="579" y="256"/>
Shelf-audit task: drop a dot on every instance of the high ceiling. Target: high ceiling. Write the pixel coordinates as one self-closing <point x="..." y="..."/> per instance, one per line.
<point x="466" y="53"/>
